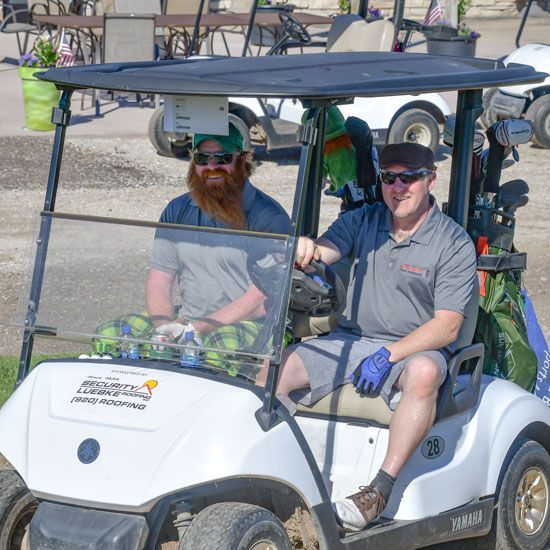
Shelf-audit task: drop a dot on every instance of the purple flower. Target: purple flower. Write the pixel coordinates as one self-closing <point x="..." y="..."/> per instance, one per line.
<point x="374" y="12"/>
<point x="28" y="60"/>
<point x="474" y="35"/>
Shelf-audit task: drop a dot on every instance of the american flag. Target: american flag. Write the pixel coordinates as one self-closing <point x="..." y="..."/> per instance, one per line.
<point x="434" y="13"/>
<point x="66" y="57"/>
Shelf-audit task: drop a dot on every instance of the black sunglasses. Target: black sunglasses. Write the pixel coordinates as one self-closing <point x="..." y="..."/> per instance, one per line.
<point x="408" y="176"/>
<point x="202" y="159"/>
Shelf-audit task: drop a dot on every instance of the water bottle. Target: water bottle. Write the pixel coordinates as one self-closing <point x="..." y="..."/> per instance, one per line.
<point x="128" y="349"/>
<point x="189" y="356"/>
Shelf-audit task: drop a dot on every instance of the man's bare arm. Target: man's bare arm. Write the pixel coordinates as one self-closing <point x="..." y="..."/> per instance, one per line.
<point x="158" y="296"/>
<point x="437" y="333"/>
<point x="249" y="306"/>
<point x="319" y="249"/>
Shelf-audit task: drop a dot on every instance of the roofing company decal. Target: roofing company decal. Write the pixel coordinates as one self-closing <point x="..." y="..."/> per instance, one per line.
<point x="112" y="391"/>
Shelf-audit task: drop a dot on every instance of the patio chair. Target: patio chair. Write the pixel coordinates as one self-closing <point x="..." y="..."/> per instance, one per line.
<point x="137" y="6"/>
<point x="240" y="6"/>
<point x="127" y="37"/>
<point x="21" y="22"/>
<point x="178" y="39"/>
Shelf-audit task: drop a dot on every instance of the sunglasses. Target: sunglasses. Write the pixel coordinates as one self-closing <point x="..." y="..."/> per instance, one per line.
<point x="408" y="176"/>
<point x="202" y="159"/>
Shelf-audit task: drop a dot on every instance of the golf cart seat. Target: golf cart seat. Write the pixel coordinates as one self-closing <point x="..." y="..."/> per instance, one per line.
<point x="351" y="33"/>
<point x="456" y="394"/>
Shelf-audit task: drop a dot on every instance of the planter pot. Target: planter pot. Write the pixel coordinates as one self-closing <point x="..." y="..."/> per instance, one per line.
<point x="39" y="98"/>
<point x="455" y="46"/>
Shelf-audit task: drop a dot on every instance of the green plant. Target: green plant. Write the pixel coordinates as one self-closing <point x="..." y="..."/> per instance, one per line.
<point x="344" y="6"/>
<point x="462" y="8"/>
<point x="43" y="55"/>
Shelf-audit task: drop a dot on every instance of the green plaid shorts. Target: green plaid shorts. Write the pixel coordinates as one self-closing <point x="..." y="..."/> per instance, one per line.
<point x="240" y="335"/>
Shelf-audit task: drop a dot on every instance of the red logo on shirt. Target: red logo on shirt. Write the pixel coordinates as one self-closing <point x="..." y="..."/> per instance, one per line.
<point x="413" y="270"/>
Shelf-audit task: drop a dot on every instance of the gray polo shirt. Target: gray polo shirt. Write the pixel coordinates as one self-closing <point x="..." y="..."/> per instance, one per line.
<point x="397" y="287"/>
<point x="211" y="268"/>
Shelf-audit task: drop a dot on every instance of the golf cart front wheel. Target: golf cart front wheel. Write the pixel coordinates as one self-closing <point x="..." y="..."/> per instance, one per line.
<point x="235" y="526"/>
<point x="167" y="144"/>
<point x="415" y="126"/>
<point x="17" y="506"/>
<point x="523" y="512"/>
<point x="539" y="113"/>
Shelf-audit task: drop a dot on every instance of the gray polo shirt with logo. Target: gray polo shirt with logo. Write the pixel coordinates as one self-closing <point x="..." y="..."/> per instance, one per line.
<point x="397" y="287"/>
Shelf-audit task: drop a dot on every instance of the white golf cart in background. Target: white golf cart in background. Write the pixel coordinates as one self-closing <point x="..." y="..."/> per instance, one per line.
<point x="273" y="122"/>
<point x="113" y="452"/>
<point x="531" y="101"/>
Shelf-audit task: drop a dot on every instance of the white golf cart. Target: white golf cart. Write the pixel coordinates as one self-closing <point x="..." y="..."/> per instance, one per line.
<point x="274" y="121"/>
<point x="120" y="453"/>
<point x="531" y="101"/>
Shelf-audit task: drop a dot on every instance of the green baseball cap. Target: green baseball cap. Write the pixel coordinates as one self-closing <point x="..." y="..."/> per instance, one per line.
<point x="229" y="143"/>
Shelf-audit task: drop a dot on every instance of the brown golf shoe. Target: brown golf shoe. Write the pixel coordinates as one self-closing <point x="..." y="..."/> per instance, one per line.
<point x="361" y="508"/>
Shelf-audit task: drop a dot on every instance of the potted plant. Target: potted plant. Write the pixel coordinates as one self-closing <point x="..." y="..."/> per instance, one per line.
<point x="445" y="39"/>
<point x="39" y="97"/>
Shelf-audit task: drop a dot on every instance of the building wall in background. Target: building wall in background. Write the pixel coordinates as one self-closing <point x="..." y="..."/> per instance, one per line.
<point x="416" y="9"/>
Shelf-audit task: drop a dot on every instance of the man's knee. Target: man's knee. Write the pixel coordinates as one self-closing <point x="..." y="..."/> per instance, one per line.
<point x="292" y="372"/>
<point x="421" y="377"/>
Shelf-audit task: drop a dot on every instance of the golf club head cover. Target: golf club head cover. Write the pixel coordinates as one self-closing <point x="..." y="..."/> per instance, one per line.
<point x="449" y="135"/>
<point x="366" y="155"/>
<point x="339" y="164"/>
<point x="370" y="375"/>
<point x="511" y="132"/>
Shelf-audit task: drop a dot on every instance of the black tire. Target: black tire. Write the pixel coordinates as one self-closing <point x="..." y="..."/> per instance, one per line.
<point x="539" y="113"/>
<point x="416" y="126"/>
<point x="527" y="474"/>
<point x="488" y="116"/>
<point x="166" y="144"/>
<point x="17" y="506"/>
<point x="234" y="526"/>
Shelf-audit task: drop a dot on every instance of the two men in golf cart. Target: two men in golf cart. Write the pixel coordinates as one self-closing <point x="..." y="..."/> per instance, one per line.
<point x="413" y="274"/>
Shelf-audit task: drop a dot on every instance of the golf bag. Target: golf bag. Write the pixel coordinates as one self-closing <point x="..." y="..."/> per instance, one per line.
<point x="501" y="324"/>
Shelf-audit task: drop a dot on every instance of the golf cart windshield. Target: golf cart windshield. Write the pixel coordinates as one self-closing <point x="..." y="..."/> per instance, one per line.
<point x="97" y="279"/>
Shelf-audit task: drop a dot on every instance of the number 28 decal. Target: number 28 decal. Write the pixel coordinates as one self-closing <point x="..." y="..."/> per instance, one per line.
<point x="433" y="447"/>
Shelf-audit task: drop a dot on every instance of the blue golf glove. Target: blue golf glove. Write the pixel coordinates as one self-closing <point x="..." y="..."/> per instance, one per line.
<point x="370" y="375"/>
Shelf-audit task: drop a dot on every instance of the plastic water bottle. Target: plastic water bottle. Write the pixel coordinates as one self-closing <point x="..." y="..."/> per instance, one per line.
<point x="128" y="349"/>
<point x="189" y="356"/>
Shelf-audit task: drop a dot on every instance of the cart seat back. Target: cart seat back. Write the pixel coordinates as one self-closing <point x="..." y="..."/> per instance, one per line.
<point x="351" y="33"/>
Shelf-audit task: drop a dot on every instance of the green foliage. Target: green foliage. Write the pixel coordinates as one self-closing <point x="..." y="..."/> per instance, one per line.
<point x="344" y="6"/>
<point x="8" y="372"/>
<point x="462" y="7"/>
<point x="43" y="55"/>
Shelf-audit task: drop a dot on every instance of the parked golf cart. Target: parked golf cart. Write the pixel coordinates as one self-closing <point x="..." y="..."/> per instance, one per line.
<point x="127" y="453"/>
<point x="273" y="122"/>
<point x="531" y="101"/>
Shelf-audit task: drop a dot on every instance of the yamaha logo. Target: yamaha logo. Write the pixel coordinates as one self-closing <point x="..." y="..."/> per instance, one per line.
<point x="88" y="451"/>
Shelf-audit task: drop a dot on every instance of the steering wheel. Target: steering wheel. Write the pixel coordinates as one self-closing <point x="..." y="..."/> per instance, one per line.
<point x="313" y="298"/>
<point x="293" y="28"/>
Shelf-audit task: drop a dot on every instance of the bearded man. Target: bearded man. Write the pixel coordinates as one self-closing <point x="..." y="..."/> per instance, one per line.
<point x="215" y="288"/>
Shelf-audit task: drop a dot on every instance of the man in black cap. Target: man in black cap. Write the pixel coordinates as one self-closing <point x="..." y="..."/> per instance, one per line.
<point x="413" y="272"/>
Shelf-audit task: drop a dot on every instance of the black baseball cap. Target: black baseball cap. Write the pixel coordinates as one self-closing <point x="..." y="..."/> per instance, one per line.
<point x="411" y="155"/>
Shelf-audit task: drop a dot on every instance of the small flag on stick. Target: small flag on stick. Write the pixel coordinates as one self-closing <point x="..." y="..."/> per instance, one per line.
<point x="434" y="13"/>
<point x="66" y="56"/>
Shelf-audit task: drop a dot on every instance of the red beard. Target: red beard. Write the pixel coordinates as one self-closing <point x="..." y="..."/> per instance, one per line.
<point x="220" y="200"/>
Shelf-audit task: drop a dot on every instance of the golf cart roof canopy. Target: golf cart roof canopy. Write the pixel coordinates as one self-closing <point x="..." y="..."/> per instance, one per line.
<point x="310" y="76"/>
